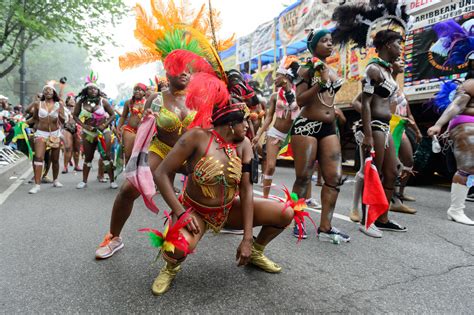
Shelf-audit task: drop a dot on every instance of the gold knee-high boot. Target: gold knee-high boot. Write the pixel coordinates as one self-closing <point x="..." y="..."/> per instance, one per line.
<point x="167" y="274"/>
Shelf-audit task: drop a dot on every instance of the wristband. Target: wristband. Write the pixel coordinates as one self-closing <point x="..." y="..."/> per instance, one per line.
<point x="179" y="216"/>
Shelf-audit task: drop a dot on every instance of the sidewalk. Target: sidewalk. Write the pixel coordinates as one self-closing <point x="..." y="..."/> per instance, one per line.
<point x="13" y="164"/>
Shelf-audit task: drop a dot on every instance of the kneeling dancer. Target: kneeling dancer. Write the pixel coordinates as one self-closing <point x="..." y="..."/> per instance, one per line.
<point x="218" y="191"/>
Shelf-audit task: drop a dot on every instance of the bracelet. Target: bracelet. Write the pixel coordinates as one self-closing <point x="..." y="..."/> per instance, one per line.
<point x="179" y="216"/>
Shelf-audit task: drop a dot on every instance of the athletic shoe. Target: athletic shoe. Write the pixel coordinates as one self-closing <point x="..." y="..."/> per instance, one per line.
<point x="57" y="184"/>
<point x="113" y="185"/>
<point x="311" y="202"/>
<point x="296" y="232"/>
<point x="372" y="231"/>
<point x="109" y="246"/>
<point x="81" y="185"/>
<point x="232" y="231"/>
<point x="102" y="179"/>
<point x="391" y="226"/>
<point x="354" y="215"/>
<point x="64" y="171"/>
<point x="407" y="198"/>
<point x="470" y="197"/>
<point x="333" y="235"/>
<point x="46" y="180"/>
<point x="402" y="208"/>
<point x="35" y="189"/>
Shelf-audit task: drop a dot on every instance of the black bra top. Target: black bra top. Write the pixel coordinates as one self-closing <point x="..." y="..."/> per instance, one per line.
<point x="384" y="89"/>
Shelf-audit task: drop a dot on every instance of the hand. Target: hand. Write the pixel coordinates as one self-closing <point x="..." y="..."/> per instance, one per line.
<point x="434" y="131"/>
<point x="193" y="226"/>
<point x="243" y="252"/>
<point x="368" y="143"/>
<point x="418" y="136"/>
<point x="255" y="140"/>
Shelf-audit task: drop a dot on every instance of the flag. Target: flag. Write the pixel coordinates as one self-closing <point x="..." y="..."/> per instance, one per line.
<point x="19" y="132"/>
<point x="137" y="171"/>
<point x="373" y="195"/>
<point x="397" y="128"/>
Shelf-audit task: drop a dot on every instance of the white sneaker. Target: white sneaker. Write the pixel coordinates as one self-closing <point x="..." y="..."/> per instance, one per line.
<point x="232" y="231"/>
<point x="81" y="185"/>
<point x="372" y="231"/>
<point x="113" y="185"/>
<point x="57" y="184"/>
<point x="35" y="189"/>
<point x="311" y="202"/>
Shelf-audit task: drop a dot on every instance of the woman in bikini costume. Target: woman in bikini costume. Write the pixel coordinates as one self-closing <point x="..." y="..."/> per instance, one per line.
<point x="135" y="107"/>
<point x="218" y="190"/>
<point x="460" y="115"/>
<point x="94" y="114"/>
<point x="71" y="138"/>
<point x="313" y="135"/>
<point x="377" y="90"/>
<point x="400" y="107"/>
<point x="172" y="120"/>
<point x="282" y="106"/>
<point x="48" y="114"/>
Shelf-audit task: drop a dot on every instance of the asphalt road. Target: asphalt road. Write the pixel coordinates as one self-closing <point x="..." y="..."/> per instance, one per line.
<point x="47" y="265"/>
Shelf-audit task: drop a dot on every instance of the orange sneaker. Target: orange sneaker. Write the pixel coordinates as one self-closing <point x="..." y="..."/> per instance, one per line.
<point x="109" y="246"/>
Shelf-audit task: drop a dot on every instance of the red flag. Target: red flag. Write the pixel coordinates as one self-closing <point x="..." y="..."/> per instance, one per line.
<point x="373" y="196"/>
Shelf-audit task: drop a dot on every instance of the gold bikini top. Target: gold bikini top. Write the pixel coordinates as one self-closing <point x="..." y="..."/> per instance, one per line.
<point x="214" y="176"/>
<point x="168" y="120"/>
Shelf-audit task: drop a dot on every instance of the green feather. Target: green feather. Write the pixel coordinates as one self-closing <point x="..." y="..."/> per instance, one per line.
<point x="156" y="241"/>
<point x="174" y="40"/>
<point x="294" y="196"/>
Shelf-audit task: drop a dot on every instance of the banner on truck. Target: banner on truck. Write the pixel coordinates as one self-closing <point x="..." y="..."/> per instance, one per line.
<point x="424" y="68"/>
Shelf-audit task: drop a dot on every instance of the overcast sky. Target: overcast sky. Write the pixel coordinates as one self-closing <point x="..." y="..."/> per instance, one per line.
<point x="240" y="17"/>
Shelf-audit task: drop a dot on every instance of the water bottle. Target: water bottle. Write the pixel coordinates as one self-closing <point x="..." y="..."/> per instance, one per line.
<point x="435" y="146"/>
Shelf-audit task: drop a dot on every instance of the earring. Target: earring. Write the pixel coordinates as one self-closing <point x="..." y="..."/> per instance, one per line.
<point x="232" y="129"/>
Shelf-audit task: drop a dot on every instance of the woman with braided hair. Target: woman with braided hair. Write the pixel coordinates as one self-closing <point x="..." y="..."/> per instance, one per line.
<point x="94" y="114"/>
<point x="313" y="135"/>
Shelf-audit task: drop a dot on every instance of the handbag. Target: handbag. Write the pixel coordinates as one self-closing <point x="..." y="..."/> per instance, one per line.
<point x="254" y="168"/>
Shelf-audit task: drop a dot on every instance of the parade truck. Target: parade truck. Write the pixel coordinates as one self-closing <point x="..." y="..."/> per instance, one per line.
<point x="425" y="71"/>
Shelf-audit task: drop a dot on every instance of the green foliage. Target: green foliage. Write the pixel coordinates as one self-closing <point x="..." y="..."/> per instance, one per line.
<point x="24" y="23"/>
<point x="48" y="61"/>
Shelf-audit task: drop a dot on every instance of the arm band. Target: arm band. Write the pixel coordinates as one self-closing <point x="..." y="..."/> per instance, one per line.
<point x="246" y="168"/>
<point x="368" y="88"/>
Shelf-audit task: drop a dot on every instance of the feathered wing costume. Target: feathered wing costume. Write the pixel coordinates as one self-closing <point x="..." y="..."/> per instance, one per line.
<point x="456" y="42"/>
<point x="354" y="21"/>
<point x="174" y="27"/>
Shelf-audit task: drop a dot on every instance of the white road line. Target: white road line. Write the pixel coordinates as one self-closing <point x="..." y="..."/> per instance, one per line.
<point x="335" y="215"/>
<point x="15" y="185"/>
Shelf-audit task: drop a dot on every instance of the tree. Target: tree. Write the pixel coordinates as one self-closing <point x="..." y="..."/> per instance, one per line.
<point x="49" y="61"/>
<point x="24" y="23"/>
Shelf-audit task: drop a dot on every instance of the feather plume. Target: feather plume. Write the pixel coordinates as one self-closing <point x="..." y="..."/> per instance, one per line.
<point x="445" y="96"/>
<point x="140" y="57"/>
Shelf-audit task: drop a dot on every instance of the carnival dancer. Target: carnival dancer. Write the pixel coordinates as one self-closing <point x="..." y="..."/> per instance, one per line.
<point x="94" y="114"/>
<point x="71" y="138"/>
<point x="401" y="109"/>
<point x="284" y="109"/>
<point x="219" y="190"/>
<point x="378" y="87"/>
<point x="135" y="107"/>
<point x="313" y="135"/>
<point x="460" y="115"/>
<point x="48" y="114"/>
<point x="174" y="41"/>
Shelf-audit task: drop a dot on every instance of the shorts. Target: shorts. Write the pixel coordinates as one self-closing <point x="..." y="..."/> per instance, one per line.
<point x="47" y="134"/>
<point x="276" y="134"/>
<point x="312" y="128"/>
<point x="159" y="148"/>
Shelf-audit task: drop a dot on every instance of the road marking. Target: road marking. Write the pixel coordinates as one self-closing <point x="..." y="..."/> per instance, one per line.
<point x="14" y="186"/>
<point x="335" y="215"/>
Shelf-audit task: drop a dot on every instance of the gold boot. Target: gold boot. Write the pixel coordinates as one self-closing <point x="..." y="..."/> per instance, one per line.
<point x="258" y="259"/>
<point x="163" y="282"/>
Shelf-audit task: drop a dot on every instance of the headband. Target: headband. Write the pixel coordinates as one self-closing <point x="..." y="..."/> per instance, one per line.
<point x="314" y="37"/>
<point x="236" y="107"/>
<point x="49" y="86"/>
<point x="141" y="86"/>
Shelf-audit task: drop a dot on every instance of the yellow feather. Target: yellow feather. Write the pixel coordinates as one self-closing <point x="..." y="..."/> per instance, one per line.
<point x="140" y="57"/>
